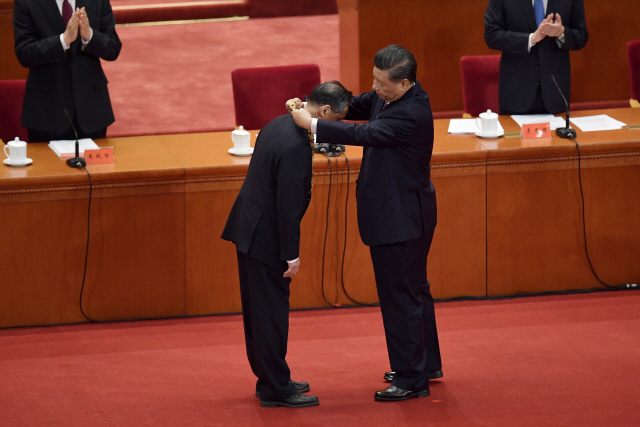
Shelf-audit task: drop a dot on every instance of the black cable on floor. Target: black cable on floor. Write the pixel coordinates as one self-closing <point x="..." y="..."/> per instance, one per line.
<point x="344" y="248"/>
<point x="86" y="253"/>
<point x="584" y="228"/>
<point x="326" y="231"/>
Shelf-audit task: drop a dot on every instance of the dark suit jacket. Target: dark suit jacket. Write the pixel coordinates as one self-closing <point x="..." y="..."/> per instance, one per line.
<point x="57" y="79"/>
<point x="396" y="200"/>
<point x="508" y="24"/>
<point x="264" y="222"/>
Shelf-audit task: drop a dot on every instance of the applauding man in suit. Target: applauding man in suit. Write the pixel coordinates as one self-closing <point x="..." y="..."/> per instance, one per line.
<point x="264" y="223"/>
<point x="396" y="212"/>
<point x="62" y="50"/>
<point x="535" y="37"/>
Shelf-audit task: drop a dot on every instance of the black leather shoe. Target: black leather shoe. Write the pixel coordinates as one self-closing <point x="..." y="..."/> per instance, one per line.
<point x="394" y="394"/>
<point x="433" y="375"/>
<point x="296" y="401"/>
<point x="301" y="387"/>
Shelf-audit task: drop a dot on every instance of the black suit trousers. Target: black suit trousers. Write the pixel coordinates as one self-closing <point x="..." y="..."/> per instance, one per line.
<point x="265" y="313"/>
<point x="407" y="311"/>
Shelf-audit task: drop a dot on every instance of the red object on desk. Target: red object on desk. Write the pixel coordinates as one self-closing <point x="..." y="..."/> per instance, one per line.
<point x="98" y="157"/>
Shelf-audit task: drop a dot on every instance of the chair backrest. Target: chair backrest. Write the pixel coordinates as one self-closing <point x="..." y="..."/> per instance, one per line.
<point x="11" y="97"/>
<point x="259" y="94"/>
<point x="480" y="83"/>
<point x="633" y="56"/>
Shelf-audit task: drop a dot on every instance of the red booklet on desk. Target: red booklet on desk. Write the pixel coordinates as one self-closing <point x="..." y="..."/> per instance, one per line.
<point x="67" y="148"/>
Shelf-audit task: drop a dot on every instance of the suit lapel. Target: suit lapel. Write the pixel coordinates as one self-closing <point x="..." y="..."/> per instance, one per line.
<point x="52" y="13"/>
<point x="527" y="13"/>
<point x="409" y="94"/>
<point x="378" y="107"/>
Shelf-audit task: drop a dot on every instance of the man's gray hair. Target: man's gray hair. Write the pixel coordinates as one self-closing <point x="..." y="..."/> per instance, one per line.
<point x="332" y="94"/>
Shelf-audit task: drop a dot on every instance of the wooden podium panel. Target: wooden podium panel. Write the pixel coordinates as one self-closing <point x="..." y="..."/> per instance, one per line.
<point x="535" y="238"/>
<point x="11" y="68"/>
<point x="457" y="258"/>
<point x="42" y="258"/>
<point x="136" y="254"/>
<point x="612" y="212"/>
<point x="509" y="221"/>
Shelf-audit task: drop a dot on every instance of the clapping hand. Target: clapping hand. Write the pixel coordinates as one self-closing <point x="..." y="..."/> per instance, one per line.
<point x="83" y="21"/>
<point x="541" y="32"/>
<point x="553" y="28"/>
<point x="71" y="33"/>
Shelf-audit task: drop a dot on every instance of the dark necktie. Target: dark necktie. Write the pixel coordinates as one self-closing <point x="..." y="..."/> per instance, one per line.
<point x="67" y="12"/>
<point x="538" y="10"/>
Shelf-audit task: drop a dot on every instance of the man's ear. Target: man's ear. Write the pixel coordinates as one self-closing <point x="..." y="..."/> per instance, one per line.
<point x="406" y="83"/>
<point x="324" y="111"/>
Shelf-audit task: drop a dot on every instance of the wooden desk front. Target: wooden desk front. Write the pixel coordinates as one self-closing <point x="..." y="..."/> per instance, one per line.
<point x="509" y="221"/>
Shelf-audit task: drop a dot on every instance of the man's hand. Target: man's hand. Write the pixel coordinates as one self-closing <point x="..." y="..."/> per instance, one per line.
<point x="71" y="33"/>
<point x="551" y="28"/>
<point x="540" y="32"/>
<point x="293" y="268"/>
<point x="83" y="23"/>
<point x="302" y="118"/>
<point x="294" y="104"/>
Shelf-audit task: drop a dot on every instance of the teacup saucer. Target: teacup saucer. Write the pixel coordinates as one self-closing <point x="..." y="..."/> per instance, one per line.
<point x="26" y="162"/>
<point x="498" y="134"/>
<point x="235" y="152"/>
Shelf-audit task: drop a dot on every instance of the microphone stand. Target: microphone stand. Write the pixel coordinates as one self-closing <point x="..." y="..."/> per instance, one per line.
<point x="76" y="162"/>
<point x="565" y="132"/>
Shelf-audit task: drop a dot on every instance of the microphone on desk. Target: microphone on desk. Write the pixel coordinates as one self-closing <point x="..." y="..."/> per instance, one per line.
<point x="565" y="132"/>
<point x="76" y="162"/>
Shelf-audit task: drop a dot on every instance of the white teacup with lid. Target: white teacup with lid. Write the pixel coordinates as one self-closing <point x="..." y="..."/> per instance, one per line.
<point x="241" y="142"/>
<point x="16" y="152"/>
<point x="487" y="123"/>
<point x="241" y="139"/>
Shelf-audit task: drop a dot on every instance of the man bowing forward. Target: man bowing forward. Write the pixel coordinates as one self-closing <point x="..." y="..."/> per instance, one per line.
<point x="264" y="223"/>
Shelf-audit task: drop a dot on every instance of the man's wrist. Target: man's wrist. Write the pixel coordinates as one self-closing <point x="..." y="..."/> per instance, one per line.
<point x="531" y="43"/>
<point x="85" y="42"/>
<point x="65" y="46"/>
<point x="293" y="260"/>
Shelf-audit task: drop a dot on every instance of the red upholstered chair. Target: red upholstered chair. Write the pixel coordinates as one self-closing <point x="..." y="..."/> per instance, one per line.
<point x="259" y="94"/>
<point x="480" y="79"/>
<point x="633" y="55"/>
<point x="11" y="96"/>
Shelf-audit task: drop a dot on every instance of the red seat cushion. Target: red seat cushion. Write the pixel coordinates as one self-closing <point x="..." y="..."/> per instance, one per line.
<point x="633" y="54"/>
<point x="480" y="83"/>
<point x="259" y="94"/>
<point x="11" y="96"/>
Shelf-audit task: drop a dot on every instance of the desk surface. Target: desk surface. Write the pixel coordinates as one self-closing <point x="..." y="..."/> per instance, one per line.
<point x="184" y="156"/>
